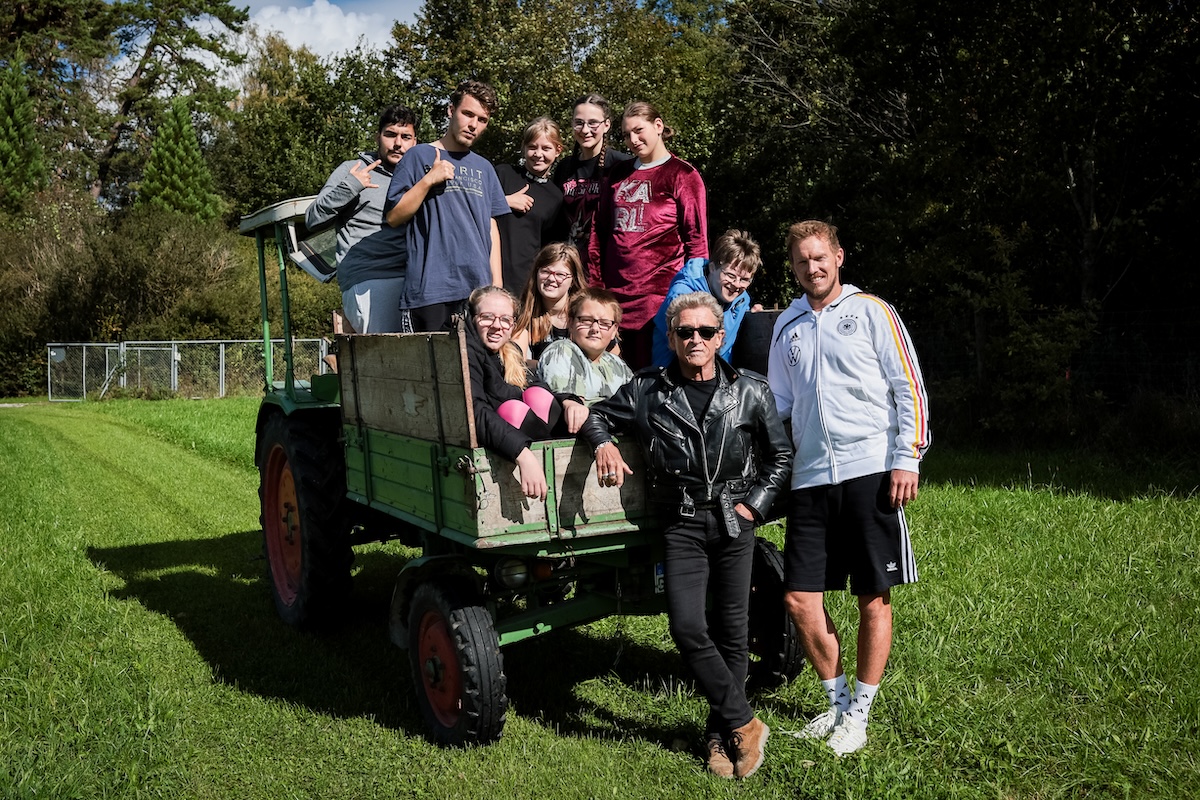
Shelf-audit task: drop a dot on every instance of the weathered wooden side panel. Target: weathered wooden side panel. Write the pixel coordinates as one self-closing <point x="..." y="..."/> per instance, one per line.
<point x="410" y="384"/>
<point x="478" y="493"/>
<point x="410" y="447"/>
<point x="394" y="473"/>
<point x="576" y="504"/>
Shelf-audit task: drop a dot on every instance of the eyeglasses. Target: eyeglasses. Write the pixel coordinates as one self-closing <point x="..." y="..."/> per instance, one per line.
<point x="707" y="332"/>
<point x="557" y="277"/>
<point x="735" y="279"/>
<point x="489" y="319"/>
<point x="592" y="124"/>
<point x="587" y="322"/>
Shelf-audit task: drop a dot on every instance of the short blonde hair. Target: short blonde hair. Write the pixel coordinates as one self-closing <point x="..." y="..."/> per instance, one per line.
<point x="813" y="227"/>
<point x="596" y="294"/>
<point x="542" y="126"/>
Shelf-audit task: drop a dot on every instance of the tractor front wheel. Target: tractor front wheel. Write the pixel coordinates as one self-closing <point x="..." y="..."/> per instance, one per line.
<point x="456" y="664"/>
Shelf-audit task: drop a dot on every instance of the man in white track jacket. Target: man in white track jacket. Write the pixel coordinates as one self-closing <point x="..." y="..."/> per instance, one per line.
<point x="845" y="375"/>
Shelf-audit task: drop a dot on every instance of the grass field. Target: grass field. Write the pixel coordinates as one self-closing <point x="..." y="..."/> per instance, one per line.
<point x="1050" y="649"/>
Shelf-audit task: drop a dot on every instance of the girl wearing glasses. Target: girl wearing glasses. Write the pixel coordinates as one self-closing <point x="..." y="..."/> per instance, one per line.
<point x="536" y="202"/>
<point x="651" y="220"/>
<point x="557" y="275"/>
<point x="580" y="174"/>
<point x="736" y="257"/>
<point x="509" y="411"/>
<point x="583" y="366"/>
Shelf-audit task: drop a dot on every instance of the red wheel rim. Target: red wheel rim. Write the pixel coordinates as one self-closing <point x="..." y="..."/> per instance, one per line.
<point x="281" y="524"/>
<point x="440" y="673"/>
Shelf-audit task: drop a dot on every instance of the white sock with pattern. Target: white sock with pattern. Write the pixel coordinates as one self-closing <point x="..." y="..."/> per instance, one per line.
<point x="860" y="706"/>
<point x="838" y="691"/>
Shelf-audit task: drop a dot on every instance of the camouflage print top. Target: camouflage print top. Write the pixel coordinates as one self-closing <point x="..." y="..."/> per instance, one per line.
<point x="565" y="369"/>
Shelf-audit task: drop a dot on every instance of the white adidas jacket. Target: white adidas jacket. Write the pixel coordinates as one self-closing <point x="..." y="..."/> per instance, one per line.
<point x="847" y="377"/>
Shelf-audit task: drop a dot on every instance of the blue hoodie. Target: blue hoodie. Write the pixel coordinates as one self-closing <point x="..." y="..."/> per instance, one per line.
<point x="692" y="278"/>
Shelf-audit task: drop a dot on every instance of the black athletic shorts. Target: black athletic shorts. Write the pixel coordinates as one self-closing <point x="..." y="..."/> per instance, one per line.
<point x="847" y="530"/>
<point x="437" y="317"/>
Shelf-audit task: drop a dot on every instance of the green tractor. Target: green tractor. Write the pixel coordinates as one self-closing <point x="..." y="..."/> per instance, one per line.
<point x="385" y="449"/>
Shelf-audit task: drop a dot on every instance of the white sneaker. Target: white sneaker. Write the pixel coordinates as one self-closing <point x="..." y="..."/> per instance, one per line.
<point x="849" y="736"/>
<point x="821" y="725"/>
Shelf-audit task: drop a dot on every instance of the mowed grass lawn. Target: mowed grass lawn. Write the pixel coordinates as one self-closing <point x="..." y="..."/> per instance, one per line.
<point x="1050" y="649"/>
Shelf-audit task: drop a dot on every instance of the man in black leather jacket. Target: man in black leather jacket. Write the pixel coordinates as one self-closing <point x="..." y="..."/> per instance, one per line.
<point x="717" y="456"/>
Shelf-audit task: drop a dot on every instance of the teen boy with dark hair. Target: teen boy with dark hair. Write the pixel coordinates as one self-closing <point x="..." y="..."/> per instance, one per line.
<point x="449" y="197"/>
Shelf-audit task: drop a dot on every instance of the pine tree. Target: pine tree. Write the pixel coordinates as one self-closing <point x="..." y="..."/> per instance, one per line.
<point x="22" y="165"/>
<point x="176" y="176"/>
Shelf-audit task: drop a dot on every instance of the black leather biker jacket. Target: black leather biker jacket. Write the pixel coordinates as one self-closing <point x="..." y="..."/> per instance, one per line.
<point x="739" y="449"/>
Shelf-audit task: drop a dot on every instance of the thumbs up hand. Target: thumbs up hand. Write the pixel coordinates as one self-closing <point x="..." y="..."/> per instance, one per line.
<point x="520" y="200"/>
<point x="440" y="171"/>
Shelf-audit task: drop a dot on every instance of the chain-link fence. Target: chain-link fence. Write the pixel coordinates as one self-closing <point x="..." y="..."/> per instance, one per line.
<point x="79" y="370"/>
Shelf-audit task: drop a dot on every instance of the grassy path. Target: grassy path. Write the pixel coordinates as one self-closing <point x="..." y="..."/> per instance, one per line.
<point x="1050" y="649"/>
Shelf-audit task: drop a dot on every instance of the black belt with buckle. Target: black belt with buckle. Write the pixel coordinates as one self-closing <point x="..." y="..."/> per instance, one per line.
<point x="691" y="496"/>
<point x="688" y="504"/>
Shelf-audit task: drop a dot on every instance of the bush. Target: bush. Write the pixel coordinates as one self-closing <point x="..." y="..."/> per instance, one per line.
<point x="69" y="272"/>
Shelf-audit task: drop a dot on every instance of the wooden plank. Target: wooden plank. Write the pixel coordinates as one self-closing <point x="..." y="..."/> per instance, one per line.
<point x="395" y="382"/>
<point x="501" y="508"/>
<point x="410" y="499"/>
<point x="581" y="499"/>
<point x="402" y="472"/>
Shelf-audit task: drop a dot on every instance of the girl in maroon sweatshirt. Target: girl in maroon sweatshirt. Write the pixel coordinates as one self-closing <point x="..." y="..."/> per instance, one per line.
<point x="652" y="218"/>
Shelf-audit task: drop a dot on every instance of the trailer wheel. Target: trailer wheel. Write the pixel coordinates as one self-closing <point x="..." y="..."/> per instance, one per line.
<point x="456" y="664"/>
<point x="773" y="635"/>
<point x="302" y="491"/>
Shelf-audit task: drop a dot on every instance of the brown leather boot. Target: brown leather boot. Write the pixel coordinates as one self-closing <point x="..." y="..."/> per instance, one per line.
<point x="749" y="743"/>
<point x="718" y="759"/>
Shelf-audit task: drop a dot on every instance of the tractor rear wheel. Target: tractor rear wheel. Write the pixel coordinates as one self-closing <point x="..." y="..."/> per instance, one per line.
<point x="302" y="491"/>
<point x="457" y="666"/>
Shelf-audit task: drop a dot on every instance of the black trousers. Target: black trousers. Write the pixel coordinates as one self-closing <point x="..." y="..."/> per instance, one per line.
<point x="703" y="562"/>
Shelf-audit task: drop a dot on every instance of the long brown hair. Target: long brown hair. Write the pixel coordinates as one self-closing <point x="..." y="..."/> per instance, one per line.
<point x="646" y="111"/>
<point x="599" y="102"/>
<point x="535" y="317"/>
<point x="511" y="357"/>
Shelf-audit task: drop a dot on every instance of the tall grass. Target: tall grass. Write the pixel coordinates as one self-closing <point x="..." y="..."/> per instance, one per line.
<point x="1048" y="651"/>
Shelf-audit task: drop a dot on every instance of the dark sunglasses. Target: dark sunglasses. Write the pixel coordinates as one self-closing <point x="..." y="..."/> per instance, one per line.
<point x="707" y="332"/>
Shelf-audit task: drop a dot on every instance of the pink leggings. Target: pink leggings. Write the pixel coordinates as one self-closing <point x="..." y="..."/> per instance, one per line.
<point x="535" y="400"/>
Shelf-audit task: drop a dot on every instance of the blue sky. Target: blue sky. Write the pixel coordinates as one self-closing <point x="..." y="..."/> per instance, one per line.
<point x="331" y="26"/>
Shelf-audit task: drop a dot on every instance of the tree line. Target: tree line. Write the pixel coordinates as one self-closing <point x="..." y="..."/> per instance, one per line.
<point x="1011" y="175"/>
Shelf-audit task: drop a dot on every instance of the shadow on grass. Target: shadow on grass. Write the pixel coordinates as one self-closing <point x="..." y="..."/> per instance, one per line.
<point x="1101" y="474"/>
<point x="216" y="593"/>
<point x="545" y="674"/>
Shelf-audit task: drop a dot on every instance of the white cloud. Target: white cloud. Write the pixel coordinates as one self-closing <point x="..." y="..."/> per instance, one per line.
<point x="326" y="28"/>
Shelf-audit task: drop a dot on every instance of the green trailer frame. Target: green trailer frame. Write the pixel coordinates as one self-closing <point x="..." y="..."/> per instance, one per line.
<point x="386" y="448"/>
